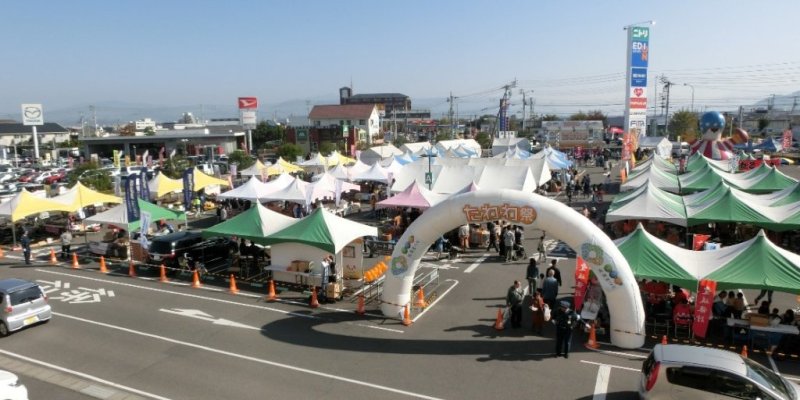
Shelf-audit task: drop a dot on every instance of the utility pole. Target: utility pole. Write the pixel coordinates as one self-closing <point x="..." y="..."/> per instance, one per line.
<point x="94" y="120"/>
<point x="667" y="85"/>
<point x="452" y="123"/>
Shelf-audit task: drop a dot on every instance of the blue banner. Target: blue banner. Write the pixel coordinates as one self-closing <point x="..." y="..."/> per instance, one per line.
<point x="639" y="54"/>
<point x="144" y="190"/>
<point x="131" y="195"/>
<point x="188" y="187"/>
<point x="638" y="77"/>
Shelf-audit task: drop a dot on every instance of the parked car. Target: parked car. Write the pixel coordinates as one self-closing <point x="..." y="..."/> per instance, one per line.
<point x="172" y="250"/>
<point x="7" y="177"/>
<point x="674" y="371"/>
<point x="11" y="388"/>
<point x="28" y="177"/>
<point x="23" y="304"/>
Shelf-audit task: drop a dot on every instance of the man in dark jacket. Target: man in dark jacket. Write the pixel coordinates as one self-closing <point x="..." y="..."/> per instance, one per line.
<point x="530" y="274"/>
<point x="565" y="320"/>
<point x="556" y="272"/>
<point x="514" y="302"/>
<point x="25" y="241"/>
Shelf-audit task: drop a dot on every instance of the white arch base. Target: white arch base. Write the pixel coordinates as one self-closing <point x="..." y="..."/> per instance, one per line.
<point x="557" y="219"/>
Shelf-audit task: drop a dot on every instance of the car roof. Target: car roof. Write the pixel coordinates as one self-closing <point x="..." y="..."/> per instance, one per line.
<point x="175" y="236"/>
<point x="700" y="356"/>
<point x="10" y="285"/>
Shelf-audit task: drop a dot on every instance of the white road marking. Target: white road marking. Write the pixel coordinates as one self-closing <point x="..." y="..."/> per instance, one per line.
<point x="772" y="363"/>
<point x="83" y="375"/>
<point x="601" y="384"/>
<point x="249" y="358"/>
<point x="619" y="353"/>
<point x="197" y="314"/>
<point x="195" y="296"/>
<point x="437" y="299"/>
<point x="474" y="265"/>
<point x="611" y="365"/>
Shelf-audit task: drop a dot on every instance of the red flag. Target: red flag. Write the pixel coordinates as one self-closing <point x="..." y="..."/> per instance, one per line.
<point x="704" y="304"/>
<point x="698" y="241"/>
<point x="581" y="282"/>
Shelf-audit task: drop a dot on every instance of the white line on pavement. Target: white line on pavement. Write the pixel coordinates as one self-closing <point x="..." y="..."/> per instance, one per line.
<point x="249" y="358"/>
<point x="611" y="365"/>
<point x="437" y="299"/>
<point x="195" y="296"/>
<point x="83" y="375"/>
<point x="474" y="265"/>
<point x="619" y="353"/>
<point x="772" y="364"/>
<point x="601" y="384"/>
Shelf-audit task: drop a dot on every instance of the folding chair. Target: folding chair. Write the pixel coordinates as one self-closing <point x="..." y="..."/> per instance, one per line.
<point x="683" y="325"/>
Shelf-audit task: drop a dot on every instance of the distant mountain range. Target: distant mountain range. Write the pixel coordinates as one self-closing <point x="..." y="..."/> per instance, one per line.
<point x="118" y="112"/>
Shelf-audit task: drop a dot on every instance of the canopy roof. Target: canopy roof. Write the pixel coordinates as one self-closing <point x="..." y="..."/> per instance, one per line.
<point x="201" y="180"/>
<point x="118" y="216"/>
<point x="252" y="190"/>
<point x="648" y="202"/>
<point x="322" y="230"/>
<point x="415" y="195"/>
<point x="374" y="173"/>
<point x="296" y="191"/>
<point x="338" y="158"/>
<point x="254" y="224"/>
<point x="467" y="189"/>
<point x="655" y="176"/>
<point x="651" y="258"/>
<point x="760" y="265"/>
<point x="162" y="185"/>
<point x="339" y="172"/>
<point x="555" y="159"/>
<point x="253" y="170"/>
<point x="770" y="144"/>
<point x="281" y="182"/>
<point x="316" y="160"/>
<point x="24" y="204"/>
<point x="282" y="166"/>
<point x="80" y="196"/>
<point x="721" y="205"/>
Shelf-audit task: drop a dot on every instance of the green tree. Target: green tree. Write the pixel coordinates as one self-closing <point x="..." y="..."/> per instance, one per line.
<point x="174" y="166"/>
<point x="289" y="151"/>
<point x="597" y="115"/>
<point x="683" y="123"/>
<point x="579" y="116"/>
<point x="399" y="140"/>
<point x="442" y="136"/>
<point x="265" y="134"/>
<point x="763" y="123"/>
<point x="484" y="140"/>
<point x="326" y="148"/>
<point x="149" y="131"/>
<point x="240" y="158"/>
<point x="550" y="117"/>
<point x="92" y="176"/>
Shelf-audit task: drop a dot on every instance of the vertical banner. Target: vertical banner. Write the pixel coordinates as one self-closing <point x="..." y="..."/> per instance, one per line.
<point x="161" y="157"/>
<point x="637" y="60"/>
<point x="233" y="169"/>
<point x="699" y="241"/>
<point x="144" y="190"/>
<point x="131" y="195"/>
<point x="703" y="307"/>
<point x="787" y="139"/>
<point x="581" y="282"/>
<point x="188" y="187"/>
<point x="116" y="158"/>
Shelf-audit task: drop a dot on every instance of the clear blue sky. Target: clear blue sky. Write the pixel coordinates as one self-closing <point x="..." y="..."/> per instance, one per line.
<point x="571" y="54"/>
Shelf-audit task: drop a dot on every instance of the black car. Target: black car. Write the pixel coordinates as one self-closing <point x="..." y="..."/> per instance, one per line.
<point x="181" y="249"/>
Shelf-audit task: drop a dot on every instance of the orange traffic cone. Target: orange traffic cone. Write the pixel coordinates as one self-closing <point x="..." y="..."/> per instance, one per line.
<point x="498" y="323"/>
<point x="361" y="310"/>
<point x="420" y="299"/>
<point x="131" y="269"/>
<point x="407" y="316"/>
<point x="744" y="351"/>
<point x="163" y="274"/>
<point x="75" y="264"/>
<point x="53" y="256"/>
<point x="664" y="339"/>
<point x="314" y="301"/>
<point x="196" y="280"/>
<point x="271" y="296"/>
<point x="1" y="253"/>
<point x="592" y="343"/>
<point x="103" y="268"/>
<point x="233" y="289"/>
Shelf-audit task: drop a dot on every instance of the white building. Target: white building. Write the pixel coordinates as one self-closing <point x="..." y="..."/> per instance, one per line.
<point x="143" y="124"/>
<point x="363" y="117"/>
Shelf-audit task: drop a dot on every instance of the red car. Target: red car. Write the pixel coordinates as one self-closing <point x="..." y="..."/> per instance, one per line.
<point x="29" y="177"/>
<point x="57" y="176"/>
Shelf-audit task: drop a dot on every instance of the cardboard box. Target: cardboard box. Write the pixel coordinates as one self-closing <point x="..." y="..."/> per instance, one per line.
<point x="759" y="320"/>
<point x="303" y="266"/>
<point x="334" y="290"/>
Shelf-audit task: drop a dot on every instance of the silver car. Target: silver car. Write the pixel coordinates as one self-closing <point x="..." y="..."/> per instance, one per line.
<point x="22" y="303"/>
<point x="674" y="371"/>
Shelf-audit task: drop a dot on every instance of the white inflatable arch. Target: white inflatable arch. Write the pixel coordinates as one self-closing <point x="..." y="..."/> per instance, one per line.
<point x="557" y="219"/>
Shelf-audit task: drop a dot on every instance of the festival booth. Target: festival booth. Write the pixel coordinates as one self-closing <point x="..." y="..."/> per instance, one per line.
<point x="650" y="203"/>
<point x="466" y="147"/>
<point x="162" y="186"/>
<point x="316" y="163"/>
<point x="254" y="224"/>
<point x="660" y="145"/>
<point x="414" y="196"/>
<point x="339" y="172"/>
<point x="336" y="158"/>
<point x="511" y="144"/>
<point x="25" y="204"/>
<point x="80" y="196"/>
<point x="252" y="190"/>
<point x="282" y="166"/>
<point x="117" y="217"/>
<point x="257" y="169"/>
<point x="652" y="175"/>
<point x="298" y="249"/>
<point x="379" y="153"/>
<point x="417" y="149"/>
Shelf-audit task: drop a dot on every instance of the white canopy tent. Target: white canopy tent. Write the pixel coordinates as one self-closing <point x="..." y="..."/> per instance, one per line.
<point x="659" y="144"/>
<point x="375" y="173"/>
<point x="514" y="144"/>
<point x="378" y="153"/>
<point x="252" y="190"/>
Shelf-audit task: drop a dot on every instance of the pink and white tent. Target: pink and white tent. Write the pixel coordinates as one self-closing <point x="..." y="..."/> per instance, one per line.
<point x="414" y="196"/>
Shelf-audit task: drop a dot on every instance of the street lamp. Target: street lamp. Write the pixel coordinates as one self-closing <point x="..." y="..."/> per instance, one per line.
<point x="650" y="22"/>
<point x="692" y="87"/>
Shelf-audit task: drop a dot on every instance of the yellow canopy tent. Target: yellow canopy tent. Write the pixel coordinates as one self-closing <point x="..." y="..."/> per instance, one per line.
<point x="201" y="180"/>
<point x="253" y="170"/>
<point x="339" y="158"/>
<point x="282" y="166"/>
<point x="80" y="196"/>
<point x="25" y="204"/>
<point x="162" y="185"/>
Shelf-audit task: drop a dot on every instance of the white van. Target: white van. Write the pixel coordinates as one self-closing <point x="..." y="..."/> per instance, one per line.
<point x="680" y="149"/>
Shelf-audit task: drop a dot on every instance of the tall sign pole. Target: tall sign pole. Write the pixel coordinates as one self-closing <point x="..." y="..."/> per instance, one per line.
<point x="32" y="115"/>
<point x="637" y="60"/>
<point x="247" y="117"/>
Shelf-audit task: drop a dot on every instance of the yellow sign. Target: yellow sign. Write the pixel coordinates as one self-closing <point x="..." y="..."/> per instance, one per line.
<point x="116" y="158"/>
<point x="487" y="212"/>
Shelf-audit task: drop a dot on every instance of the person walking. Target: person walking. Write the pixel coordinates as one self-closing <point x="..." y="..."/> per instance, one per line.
<point x="531" y="274"/>
<point x="556" y="272"/>
<point x="492" y="236"/>
<point x="764" y="292"/>
<point x="550" y="289"/>
<point x="537" y="306"/>
<point x="25" y="241"/>
<point x="508" y="241"/>
<point x="66" y="242"/>
<point x="514" y="303"/>
<point x="541" y="249"/>
<point x="502" y="238"/>
<point x="565" y="320"/>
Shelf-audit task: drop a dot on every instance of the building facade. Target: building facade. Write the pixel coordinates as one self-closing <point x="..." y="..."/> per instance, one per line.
<point x="361" y="118"/>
